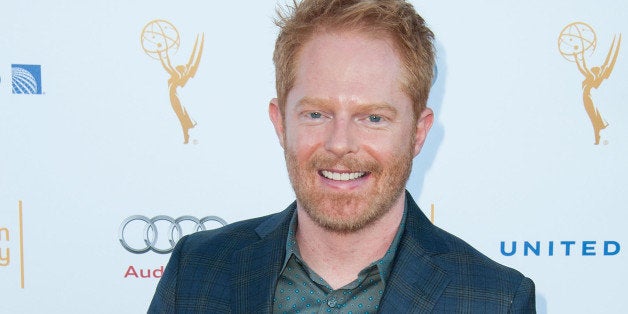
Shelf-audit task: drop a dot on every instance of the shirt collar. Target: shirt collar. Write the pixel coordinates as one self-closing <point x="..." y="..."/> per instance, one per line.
<point x="384" y="265"/>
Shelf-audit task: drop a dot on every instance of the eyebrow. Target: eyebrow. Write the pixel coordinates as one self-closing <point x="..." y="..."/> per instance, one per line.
<point x="324" y="105"/>
<point x="314" y="102"/>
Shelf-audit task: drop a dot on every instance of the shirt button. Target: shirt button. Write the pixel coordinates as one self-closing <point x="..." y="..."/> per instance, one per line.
<point x="332" y="302"/>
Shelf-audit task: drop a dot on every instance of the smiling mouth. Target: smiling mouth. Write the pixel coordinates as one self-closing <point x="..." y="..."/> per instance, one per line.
<point x="345" y="176"/>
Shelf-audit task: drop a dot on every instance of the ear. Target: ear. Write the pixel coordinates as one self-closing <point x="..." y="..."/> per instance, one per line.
<point x="277" y="119"/>
<point x="423" y="125"/>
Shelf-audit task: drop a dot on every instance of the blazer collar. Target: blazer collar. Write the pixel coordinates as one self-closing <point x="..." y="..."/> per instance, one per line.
<point x="416" y="281"/>
<point x="257" y="266"/>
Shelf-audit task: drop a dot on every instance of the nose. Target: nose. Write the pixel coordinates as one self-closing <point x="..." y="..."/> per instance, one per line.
<point x="341" y="137"/>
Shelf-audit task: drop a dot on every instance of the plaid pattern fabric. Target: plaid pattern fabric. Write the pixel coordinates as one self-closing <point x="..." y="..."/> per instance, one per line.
<point x="234" y="270"/>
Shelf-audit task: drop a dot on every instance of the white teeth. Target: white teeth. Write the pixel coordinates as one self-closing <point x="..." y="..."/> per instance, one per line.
<point x="342" y="176"/>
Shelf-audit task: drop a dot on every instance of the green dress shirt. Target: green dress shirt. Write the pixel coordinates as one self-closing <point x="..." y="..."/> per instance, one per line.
<point x="300" y="290"/>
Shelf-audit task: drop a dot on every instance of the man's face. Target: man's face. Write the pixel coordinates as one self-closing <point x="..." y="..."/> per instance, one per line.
<point x="348" y="131"/>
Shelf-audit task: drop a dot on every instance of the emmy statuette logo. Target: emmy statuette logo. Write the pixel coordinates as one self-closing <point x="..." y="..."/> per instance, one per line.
<point x="576" y="42"/>
<point x="160" y="39"/>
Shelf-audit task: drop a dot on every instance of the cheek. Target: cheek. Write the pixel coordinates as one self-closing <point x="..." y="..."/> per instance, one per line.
<point x="302" y="143"/>
<point x="389" y="147"/>
<point x="382" y="152"/>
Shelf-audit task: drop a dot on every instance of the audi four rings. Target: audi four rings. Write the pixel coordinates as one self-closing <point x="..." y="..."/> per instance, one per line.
<point x="151" y="233"/>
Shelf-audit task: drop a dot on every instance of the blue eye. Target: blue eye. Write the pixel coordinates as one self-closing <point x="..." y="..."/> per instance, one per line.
<point x="375" y="118"/>
<point x="315" y="115"/>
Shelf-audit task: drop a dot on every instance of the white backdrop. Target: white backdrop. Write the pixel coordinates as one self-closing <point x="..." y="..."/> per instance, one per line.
<point x="509" y="159"/>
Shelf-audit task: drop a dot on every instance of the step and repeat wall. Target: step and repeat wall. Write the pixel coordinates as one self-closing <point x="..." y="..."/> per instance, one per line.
<point x="111" y="150"/>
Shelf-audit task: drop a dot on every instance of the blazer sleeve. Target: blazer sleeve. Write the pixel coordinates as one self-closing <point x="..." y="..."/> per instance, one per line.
<point x="524" y="300"/>
<point x="164" y="300"/>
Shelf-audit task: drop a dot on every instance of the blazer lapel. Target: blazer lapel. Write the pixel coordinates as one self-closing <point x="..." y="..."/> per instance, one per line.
<point x="257" y="266"/>
<point x="416" y="281"/>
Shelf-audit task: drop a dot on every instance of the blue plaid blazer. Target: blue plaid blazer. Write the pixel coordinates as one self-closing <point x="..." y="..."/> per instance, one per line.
<point x="234" y="270"/>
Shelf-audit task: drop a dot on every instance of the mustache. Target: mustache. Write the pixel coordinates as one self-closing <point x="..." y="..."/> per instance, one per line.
<point x="349" y="162"/>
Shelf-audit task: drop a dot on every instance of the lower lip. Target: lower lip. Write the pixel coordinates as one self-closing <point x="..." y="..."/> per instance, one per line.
<point x="345" y="185"/>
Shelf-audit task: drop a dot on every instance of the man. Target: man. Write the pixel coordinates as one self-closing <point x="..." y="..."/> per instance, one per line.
<point x="353" y="77"/>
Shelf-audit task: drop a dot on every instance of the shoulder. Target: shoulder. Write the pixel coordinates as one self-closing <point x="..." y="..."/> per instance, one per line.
<point x="465" y="274"/>
<point x="461" y="257"/>
<point x="200" y="272"/>
<point x="451" y="254"/>
<point x="475" y="276"/>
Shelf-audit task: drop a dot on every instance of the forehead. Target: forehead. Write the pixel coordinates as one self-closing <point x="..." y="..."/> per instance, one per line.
<point x="349" y="65"/>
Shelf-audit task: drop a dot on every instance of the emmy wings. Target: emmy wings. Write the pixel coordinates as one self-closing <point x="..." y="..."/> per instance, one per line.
<point x="604" y="71"/>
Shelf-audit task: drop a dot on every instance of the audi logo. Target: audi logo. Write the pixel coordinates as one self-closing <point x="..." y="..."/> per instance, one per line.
<point x="151" y="232"/>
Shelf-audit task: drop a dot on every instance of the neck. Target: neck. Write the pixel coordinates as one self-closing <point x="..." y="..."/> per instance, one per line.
<point x="339" y="257"/>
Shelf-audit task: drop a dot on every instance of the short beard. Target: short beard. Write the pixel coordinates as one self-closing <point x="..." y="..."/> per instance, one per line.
<point x="346" y="212"/>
